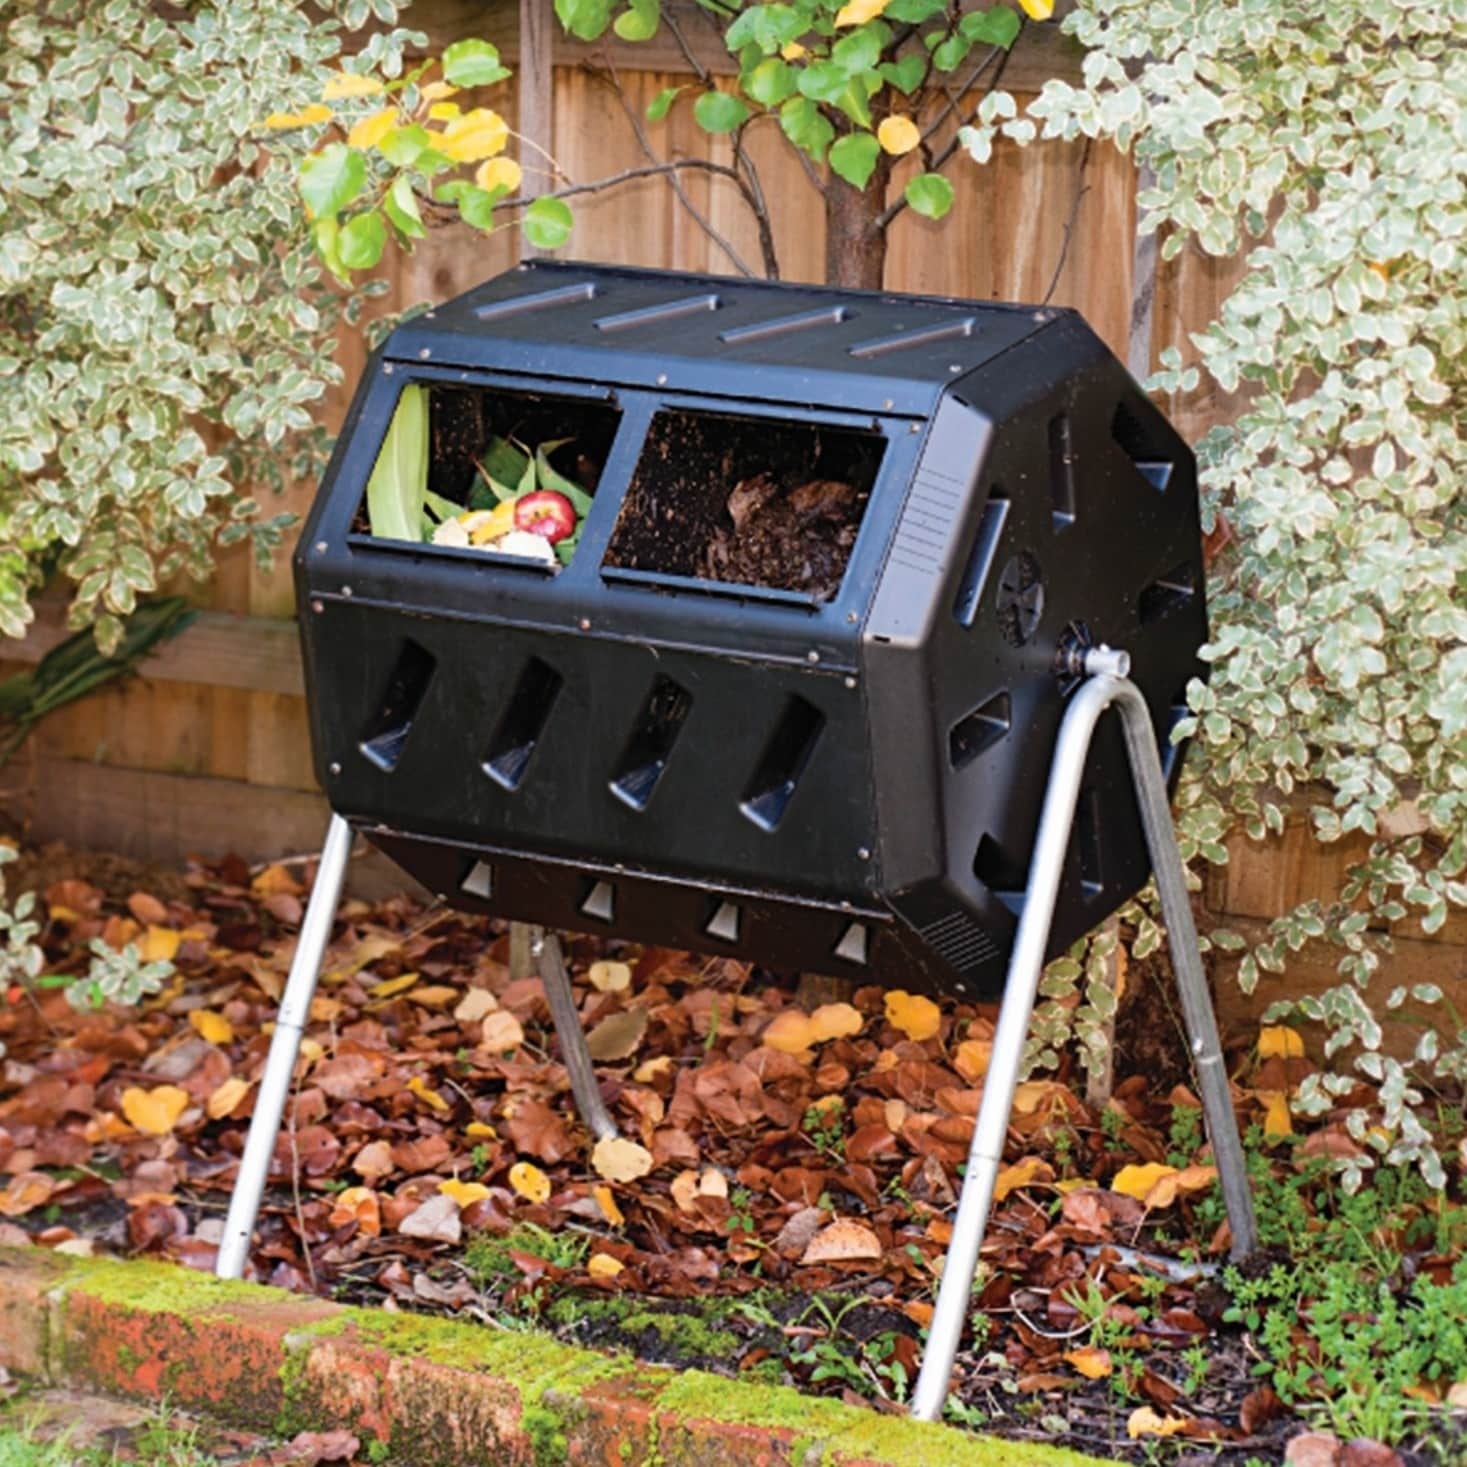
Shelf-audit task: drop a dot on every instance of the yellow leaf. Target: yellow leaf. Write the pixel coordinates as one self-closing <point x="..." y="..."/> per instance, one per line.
<point x="160" y="944"/>
<point x="311" y="1049"/>
<point x="1033" y="1094"/>
<point x="898" y="134"/>
<point x="433" y="995"/>
<point x="684" y="1189"/>
<point x="500" y="173"/>
<point x="501" y="1032"/>
<point x="316" y="112"/>
<point x="445" y="111"/>
<point x="463" y="1192"/>
<point x="1143" y="1421"/>
<point x="481" y="1131"/>
<point x="349" y="84"/>
<point x="917" y="1017"/>
<point x="436" y="91"/>
<point x="1011" y="1178"/>
<point x="154" y="1111"/>
<point x="360" y="1205"/>
<point x="605" y="1199"/>
<point x="1037" y="9"/>
<point x="789" y="1032"/>
<point x="620" y="1160"/>
<point x="858" y="12"/>
<point x="649" y="1070"/>
<point x="603" y="1266"/>
<point x="390" y="986"/>
<point x="213" y="1027"/>
<point x="425" y="1092"/>
<point x="1138" y="1180"/>
<point x="792" y="51"/>
<point x="474" y="1005"/>
<point x="371" y="130"/>
<point x="970" y="1059"/>
<point x="223" y="1100"/>
<point x="529" y="1181"/>
<point x="1092" y="1362"/>
<point x="325" y="1010"/>
<point x="1278" y="1041"/>
<point x="605" y="976"/>
<point x="834" y="1021"/>
<point x="1276" y="1119"/>
<point x="474" y="136"/>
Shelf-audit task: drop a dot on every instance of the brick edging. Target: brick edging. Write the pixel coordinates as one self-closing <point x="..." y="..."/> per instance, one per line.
<point x="438" y="1392"/>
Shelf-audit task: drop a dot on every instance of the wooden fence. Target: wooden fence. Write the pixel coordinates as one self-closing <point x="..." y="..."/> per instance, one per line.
<point x="208" y="750"/>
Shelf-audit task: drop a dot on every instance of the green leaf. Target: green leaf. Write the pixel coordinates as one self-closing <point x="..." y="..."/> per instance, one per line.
<point x="930" y="194"/>
<point x="443" y="509"/>
<point x="720" y="111"/>
<point x="551" y="478"/>
<point x="476" y="206"/>
<point x="585" y="19"/>
<point x="905" y="75"/>
<point x="854" y="157"/>
<point x="768" y="27"/>
<point x="859" y="50"/>
<point x="473" y="64"/>
<point x="326" y="233"/>
<point x="400" y="476"/>
<point x="950" y="53"/>
<point x="331" y="179"/>
<point x="771" y="81"/>
<point x="401" y="206"/>
<point x="547" y="223"/>
<point x="658" y="107"/>
<point x="639" y="21"/>
<point x="806" y="126"/>
<point x="913" y="12"/>
<point x="504" y="461"/>
<point x="996" y="27"/>
<point x="823" y="81"/>
<point x="402" y="146"/>
<point x="855" y="102"/>
<point x="361" y="242"/>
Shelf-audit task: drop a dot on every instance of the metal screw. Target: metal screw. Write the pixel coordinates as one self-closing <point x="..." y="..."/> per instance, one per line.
<point x="387" y="369"/>
<point x="662" y="379"/>
<point x="886" y="402"/>
<point x="812" y="657"/>
<point x="317" y="607"/>
<point x="346" y="590"/>
<point x="955" y="367"/>
<point x="428" y="315"/>
<point x="585" y="623"/>
<point x="850" y="682"/>
<point x="425" y="353"/>
<point x="334" y="767"/>
<point x="851" y="617"/>
<point x="864" y="854"/>
<point x="320" y="547"/>
<point x="914" y="427"/>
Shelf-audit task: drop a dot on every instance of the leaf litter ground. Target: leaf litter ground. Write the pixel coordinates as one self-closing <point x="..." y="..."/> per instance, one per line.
<point x="777" y="1207"/>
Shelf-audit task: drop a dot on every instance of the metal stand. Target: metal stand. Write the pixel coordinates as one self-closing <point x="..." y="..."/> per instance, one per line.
<point x="290" y="1023"/>
<point x="1107" y="685"/>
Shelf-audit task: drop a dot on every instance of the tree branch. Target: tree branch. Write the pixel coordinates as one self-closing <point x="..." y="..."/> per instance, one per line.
<point x="754" y="192"/>
<point x="1082" y="188"/>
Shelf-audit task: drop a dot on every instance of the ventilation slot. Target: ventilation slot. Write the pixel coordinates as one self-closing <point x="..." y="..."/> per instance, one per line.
<point x="724" y="923"/>
<point x="959" y="941"/>
<point x="523" y="723"/>
<point x="1127" y="430"/>
<point x="1062" y="471"/>
<point x="999" y="873"/>
<point x="980" y="730"/>
<point x="1176" y="588"/>
<point x="600" y="902"/>
<point x="980" y="558"/>
<point x="382" y="741"/>
<point x="478" y="881"/>
<point x="645" y="757"/>
<point x="1086" y="837"/>
<point x="784" y="760"/>
<point x="854" y="944"/>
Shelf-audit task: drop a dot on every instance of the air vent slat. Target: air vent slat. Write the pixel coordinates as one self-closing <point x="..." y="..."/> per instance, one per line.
<point x="385" y="736"/>
<point x="522" y="724"/>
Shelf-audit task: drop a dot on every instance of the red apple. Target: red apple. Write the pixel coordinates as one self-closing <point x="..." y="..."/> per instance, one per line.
<point x="545" y="513"/>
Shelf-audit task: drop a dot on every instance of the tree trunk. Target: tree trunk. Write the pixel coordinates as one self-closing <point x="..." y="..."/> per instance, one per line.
<point x="855" y="243"/>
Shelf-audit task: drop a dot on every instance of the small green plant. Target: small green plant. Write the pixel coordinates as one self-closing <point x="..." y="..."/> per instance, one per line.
<point x="489" y="1262"/>
<point x="741" y="1215"/>
<point x="825" y="1128"/>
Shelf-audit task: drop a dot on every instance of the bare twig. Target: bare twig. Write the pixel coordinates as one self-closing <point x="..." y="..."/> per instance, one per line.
<point x="295" y="1189"/>
<point x="1082" y="188"/>
<point x="696" y="214"/>
<point x="754" y="192"/>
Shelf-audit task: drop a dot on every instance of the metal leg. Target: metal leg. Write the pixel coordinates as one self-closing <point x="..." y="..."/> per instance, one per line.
<point x="290" y="1022"/>
<point x="550" y="960"/>
<point x="1106" y="686"/>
